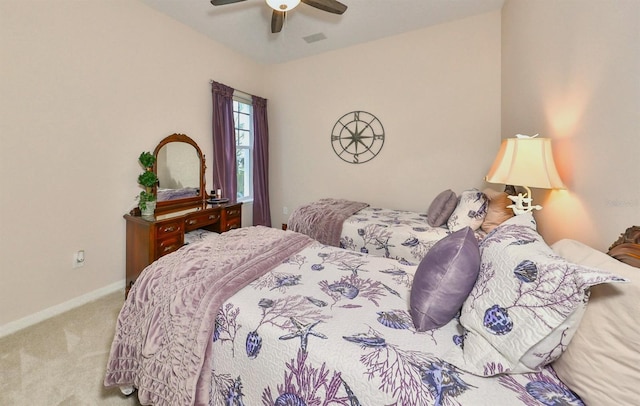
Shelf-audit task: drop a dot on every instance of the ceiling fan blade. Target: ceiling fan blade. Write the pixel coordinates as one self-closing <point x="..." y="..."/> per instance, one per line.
<point x="331" y="6"/>
<point x="224" y="2"/>
<point x="277" y="21"/>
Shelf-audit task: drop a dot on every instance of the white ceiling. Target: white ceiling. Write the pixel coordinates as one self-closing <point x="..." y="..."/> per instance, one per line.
<point x="245" y="26"/>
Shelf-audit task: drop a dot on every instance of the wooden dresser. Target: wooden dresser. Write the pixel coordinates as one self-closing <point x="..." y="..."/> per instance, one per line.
<point x="150" y="238"/>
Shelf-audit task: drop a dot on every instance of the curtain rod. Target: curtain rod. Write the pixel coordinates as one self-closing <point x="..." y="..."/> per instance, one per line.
<point x="234" y="89"/>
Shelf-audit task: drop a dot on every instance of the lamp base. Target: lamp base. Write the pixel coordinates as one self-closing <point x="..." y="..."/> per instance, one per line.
<point x="522" y="203"/>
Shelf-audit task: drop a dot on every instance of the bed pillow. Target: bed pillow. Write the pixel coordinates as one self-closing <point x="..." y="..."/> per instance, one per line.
<point x="444" y="279"/>
<point x="526" y="304"/>
<point x="441" y="208"/>
<point x="497" y="211"/>
<point x="602" y="363"/>
<point x="469" y="212"/>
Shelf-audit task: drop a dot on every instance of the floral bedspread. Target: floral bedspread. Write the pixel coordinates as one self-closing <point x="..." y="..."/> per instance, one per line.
<point x="391" y="233"/>
<point x="163" y="331"/>
<point x="331" y="327"/>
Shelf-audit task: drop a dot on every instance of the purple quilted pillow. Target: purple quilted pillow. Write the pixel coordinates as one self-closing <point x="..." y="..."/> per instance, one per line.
<point x="444" y="279"/>
<point x="441" y="208"/>
<point x="526" y="305"/>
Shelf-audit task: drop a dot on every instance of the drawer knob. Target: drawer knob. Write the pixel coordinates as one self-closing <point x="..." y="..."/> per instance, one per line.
<point x="169" y="229"/>
<point x="213" y="217"/>
<point x="192" y="222"/>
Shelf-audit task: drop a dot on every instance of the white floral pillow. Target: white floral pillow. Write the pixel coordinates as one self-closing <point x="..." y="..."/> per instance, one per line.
<point x="470" y="211"/>
<point x="526" y="304"/>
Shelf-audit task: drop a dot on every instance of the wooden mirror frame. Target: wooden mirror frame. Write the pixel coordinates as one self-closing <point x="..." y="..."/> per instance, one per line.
<point x="168" y="206"/>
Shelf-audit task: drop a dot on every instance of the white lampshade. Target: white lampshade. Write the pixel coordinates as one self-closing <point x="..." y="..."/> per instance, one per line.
<point x="282" y="5"/>
<point x="525" y="162"/>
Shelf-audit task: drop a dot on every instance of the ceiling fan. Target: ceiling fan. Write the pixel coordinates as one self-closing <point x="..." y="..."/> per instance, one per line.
<point x="281" y="7"/>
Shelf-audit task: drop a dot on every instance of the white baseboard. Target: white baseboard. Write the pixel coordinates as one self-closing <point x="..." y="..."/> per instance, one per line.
<point x="49" y="312"/>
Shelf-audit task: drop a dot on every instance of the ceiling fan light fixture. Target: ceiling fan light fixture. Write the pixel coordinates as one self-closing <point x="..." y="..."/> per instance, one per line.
<point x="282" y="5"/>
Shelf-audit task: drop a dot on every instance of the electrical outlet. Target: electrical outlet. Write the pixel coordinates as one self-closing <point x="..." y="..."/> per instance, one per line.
<point x="285" y="210"/>
<point x="78" y="259"/>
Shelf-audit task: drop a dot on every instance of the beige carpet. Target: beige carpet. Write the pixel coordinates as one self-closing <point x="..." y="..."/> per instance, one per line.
<point x="61" y="361"/>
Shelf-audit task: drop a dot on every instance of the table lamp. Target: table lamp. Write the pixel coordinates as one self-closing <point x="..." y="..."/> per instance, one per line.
<point x="525" y="161"/>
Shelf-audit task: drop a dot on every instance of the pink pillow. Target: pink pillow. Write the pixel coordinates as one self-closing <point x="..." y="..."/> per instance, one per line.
<point x="497" y="212"/>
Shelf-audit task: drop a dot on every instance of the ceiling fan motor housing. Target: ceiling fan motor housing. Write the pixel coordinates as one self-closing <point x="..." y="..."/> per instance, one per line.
<point x="283" y="5"/>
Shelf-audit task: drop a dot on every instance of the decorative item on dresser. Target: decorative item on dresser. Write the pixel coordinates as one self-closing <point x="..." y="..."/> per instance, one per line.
<point x="627" y="247"/>
<point x="184" y="207"/>
<point x="148" y="180"/>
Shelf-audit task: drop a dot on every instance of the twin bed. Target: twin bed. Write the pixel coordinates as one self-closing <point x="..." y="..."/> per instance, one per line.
<point x="391" y="233"/>
<point x="259" y="316"/>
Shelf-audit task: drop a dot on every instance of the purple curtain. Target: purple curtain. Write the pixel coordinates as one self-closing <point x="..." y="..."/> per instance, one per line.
<point x="224" y="141"/>
<point x="261" y="209"/>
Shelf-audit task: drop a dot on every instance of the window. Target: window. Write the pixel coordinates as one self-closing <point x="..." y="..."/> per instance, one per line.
<point x="243" y="122"/>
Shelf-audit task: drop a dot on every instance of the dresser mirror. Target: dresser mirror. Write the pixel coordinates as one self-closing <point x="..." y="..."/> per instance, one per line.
<point x="180" y="167"/>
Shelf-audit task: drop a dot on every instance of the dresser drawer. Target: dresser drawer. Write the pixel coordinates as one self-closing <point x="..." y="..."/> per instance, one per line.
<point x="231" y="217"/>
<point x="233" y="212"/>
<point x="207" y="218"/>
<point x="168" y="244"/>
<point x="232" y="223"/>
<point x="167" y="228"/>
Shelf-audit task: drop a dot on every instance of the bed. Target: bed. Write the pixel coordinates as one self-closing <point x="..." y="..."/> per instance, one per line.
<point x="258" y="316"/>
<point x="392" y="233"/>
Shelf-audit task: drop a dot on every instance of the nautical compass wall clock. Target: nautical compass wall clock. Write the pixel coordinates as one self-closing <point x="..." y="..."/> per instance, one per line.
<point x="357" y="137"/>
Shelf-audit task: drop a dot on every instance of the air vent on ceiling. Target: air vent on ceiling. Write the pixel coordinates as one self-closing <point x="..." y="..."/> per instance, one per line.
<point x="314" y="38"/>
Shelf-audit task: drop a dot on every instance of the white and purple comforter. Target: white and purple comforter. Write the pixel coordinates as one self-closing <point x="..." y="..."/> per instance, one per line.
<point x="324" y="327"/>
<point x="397" y="234"/>
<point x="355" y="226"/>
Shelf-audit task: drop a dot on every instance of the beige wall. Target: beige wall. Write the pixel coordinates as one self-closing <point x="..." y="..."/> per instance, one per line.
<point x="436" y="92"/>
<point x="86" y="86"/>
<point x="571" y="72"/>
<point x="93" y="83"/>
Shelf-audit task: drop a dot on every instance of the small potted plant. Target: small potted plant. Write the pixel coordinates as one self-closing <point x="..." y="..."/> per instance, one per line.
<point x="147" y="179"/>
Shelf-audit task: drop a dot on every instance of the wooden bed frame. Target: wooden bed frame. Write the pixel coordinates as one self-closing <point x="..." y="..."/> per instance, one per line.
<point x="627" y="247"/>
